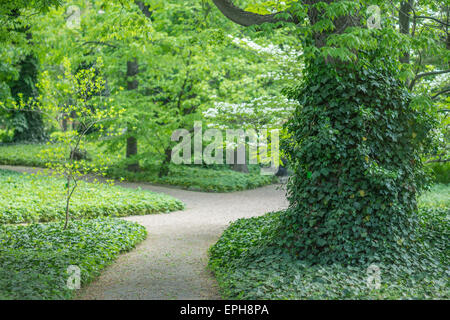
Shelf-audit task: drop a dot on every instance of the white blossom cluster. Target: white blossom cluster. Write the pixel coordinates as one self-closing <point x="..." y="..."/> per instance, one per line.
<point x="436" y="83"/>
<point x="279" y="4"/>
<point x="287" y="55"/>
<point x="277" y="76"/>
<point x="287" y="59"/>
<point x="264" y="111"/>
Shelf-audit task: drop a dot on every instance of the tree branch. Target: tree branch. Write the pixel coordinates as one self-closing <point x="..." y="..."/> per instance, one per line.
<point x="425" y="74"/>
<point x="434" y="19"/>
<point x="440" y="92"/>
<point x="438" y="160"/>
<point x="245" y="18"/>
<point x="100" y="43"/>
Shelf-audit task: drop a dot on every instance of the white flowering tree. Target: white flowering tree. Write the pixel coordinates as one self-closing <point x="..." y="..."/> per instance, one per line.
<point x="256" y="109"/>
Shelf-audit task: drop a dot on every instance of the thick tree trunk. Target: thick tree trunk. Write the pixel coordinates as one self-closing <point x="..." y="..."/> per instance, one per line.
<point x="342" y="210"/>
<point x="341" y="23"/>
<point x="132" y="144"/>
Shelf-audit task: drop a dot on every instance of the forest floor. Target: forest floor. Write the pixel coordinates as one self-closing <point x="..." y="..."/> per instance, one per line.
<point x="172" y="262"/>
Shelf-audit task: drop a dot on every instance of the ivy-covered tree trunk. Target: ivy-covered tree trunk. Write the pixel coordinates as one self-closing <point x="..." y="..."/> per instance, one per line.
<point x="132" y="144"/>
<point x="354" y="153"/>
<point x="353" y="148"/>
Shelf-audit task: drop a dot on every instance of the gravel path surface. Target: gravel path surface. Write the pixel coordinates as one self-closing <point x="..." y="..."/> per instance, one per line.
<point x="171" y="262"/>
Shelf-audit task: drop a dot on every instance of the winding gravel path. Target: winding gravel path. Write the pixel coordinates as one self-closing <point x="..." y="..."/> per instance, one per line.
<point x="171" y="262"/>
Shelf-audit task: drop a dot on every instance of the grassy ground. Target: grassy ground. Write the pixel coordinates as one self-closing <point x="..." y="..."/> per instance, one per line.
<point x="248" y="265"/>
<point x="34" y="259"/>
<point x="437" y="197"/>
<point x="221" y="179"/>
<point x="26" y="198"/>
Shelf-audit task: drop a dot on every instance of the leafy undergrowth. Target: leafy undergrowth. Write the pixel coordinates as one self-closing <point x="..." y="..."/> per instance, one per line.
<point x="441" y="171"/>
<point x="34" y="155"/>
<point x="23" y="154"/>
<point x="436" y="197"/>
<point x="200" y="179"/>
<point x="248" y="265"/>
<point x="221" y="179"/>
<point x="26" y="198"/>
<point x="34" y="259"/>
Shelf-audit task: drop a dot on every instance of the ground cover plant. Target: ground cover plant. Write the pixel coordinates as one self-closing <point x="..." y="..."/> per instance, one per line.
<point x="196" y="178"/>
<point x="23" y="155"/>
<point x="221" y="179"/>
<point x="27" y="198"/>
<point x="437" y="197"/>
<point x="441" y="172"/>
<point x="34" y="259"/>
<point x="36" y="155"/>
<point x="249" y="265"/>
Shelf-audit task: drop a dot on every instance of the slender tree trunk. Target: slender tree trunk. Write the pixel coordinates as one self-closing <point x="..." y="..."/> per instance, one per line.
<point x="132" y="148"/>
<point x="132" y="144"/>
<point x="405" y="21"/>
<point x="67" y="203"/>
<point x="239" y="167"/>
<point x="448" y="44"/>
<point x="164" y="169"/>
<point x="64" y="122"/>
<point x="73" y="116"/>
